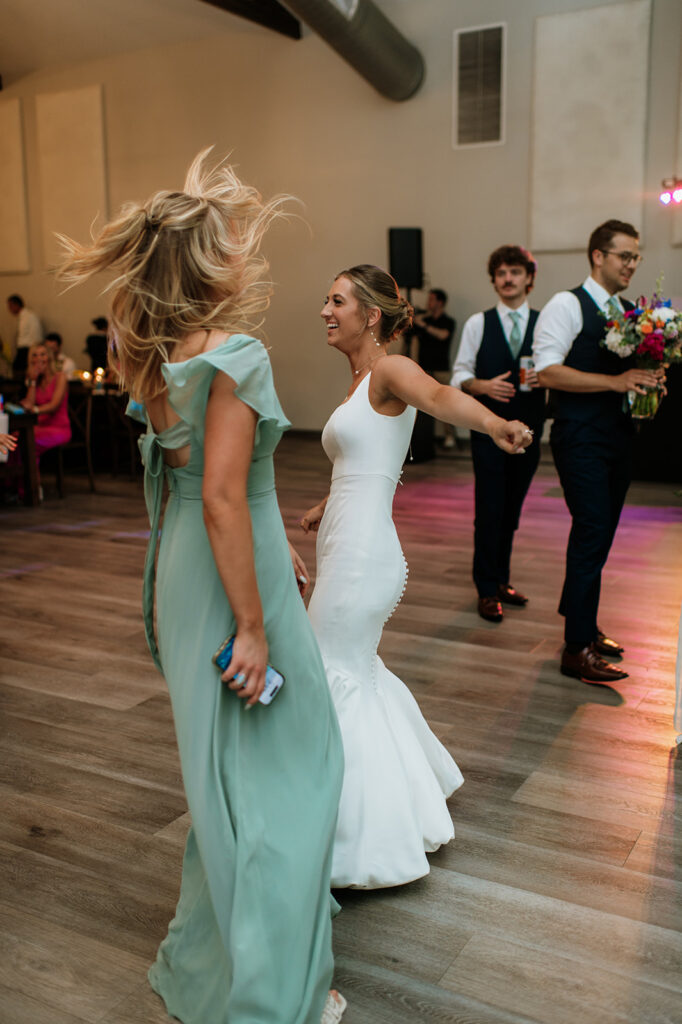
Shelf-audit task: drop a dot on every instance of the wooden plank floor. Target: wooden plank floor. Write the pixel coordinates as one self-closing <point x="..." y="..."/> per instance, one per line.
<point x="558" y="902"/>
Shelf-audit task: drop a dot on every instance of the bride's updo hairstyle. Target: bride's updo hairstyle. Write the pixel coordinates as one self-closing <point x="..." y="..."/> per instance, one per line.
<point x="374" y="288"/>
<point x="182" y="261"/>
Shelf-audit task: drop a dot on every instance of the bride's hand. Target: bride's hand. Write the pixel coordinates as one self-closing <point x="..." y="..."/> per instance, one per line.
<point x="511" y="436"/>
<point x="313" y="517"/>
<point x="300" y="572"/>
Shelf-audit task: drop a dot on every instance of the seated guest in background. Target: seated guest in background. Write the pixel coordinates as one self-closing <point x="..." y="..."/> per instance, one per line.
<point x="488" y="367"/>
<point x="62" y="362"/>
<point x="48" y="396"/>
<point x="96" y="344"/>
<point x="29" y="332"/>
<point x="433" y="330"/>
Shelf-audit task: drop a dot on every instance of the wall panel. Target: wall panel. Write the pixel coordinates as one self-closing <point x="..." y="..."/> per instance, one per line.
<point x="71" y="163"/>
<point x="14" y="250"/>
<point x="589" y="121"/>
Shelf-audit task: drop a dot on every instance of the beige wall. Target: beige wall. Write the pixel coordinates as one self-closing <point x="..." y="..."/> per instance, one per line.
<point x="299" y="120"/>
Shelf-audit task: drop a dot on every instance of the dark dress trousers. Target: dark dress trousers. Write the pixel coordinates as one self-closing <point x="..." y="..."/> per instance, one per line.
<point x="591" y="442"/>
<point x="434" y="358"/>
<point x="501" y="480"/>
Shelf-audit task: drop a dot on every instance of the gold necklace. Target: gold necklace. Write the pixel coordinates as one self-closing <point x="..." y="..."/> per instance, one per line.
<point x="372" y="360"/>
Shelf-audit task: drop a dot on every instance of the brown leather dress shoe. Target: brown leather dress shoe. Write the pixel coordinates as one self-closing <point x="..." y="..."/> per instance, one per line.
<point x="607" y="647"/>
<point x="589" y="667"/>
<point x="506" y="593"/>
<point x="490" y="608"/>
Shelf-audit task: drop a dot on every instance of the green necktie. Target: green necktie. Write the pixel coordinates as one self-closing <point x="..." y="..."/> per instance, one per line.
<point x="613" y="308"/>
<point x="515" y="339"/>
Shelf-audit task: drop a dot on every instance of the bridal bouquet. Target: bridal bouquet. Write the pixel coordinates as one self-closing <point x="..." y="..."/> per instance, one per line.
<point x="652" y="332"/>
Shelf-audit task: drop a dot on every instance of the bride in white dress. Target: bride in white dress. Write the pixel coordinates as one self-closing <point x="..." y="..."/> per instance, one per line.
<point x="397" y="774"/>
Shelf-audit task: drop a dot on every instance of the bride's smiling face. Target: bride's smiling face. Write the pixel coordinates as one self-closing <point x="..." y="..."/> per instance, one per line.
<point x="345" y="319"/>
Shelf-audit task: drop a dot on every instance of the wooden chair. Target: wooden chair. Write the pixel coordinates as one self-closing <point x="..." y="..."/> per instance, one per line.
<point x="80" y="418"/>
<point x="122" y="430"/>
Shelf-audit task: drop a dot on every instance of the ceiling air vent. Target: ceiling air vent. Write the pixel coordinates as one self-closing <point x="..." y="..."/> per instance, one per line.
<point x="478" y="86"/>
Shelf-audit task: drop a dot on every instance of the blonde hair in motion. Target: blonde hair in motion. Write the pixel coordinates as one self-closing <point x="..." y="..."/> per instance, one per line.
<point x="183" y="261"/>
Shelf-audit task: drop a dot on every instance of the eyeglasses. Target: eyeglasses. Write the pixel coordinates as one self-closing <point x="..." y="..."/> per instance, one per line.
<point x="624" y="257"/>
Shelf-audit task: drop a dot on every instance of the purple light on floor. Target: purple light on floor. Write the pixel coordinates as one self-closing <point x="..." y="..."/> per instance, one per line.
<point x="651" y="514"/>
<point x="62" y="527"/>
<point x="22" y="570"/>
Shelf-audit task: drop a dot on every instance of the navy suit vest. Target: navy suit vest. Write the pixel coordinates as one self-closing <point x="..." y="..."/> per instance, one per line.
<point x="495" y="357"/>
<point x="600" y="408"/>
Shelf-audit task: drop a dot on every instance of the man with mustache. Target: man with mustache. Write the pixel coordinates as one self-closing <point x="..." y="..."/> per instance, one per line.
<point x="488" y="366"/>
<point x="591" y="435"/>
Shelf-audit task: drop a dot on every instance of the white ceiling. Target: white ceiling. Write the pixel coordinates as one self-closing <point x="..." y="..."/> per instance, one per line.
<point x="37" y="34"/>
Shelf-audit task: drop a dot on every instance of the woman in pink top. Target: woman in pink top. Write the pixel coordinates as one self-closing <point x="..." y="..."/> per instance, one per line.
<point x="47" y="396"/>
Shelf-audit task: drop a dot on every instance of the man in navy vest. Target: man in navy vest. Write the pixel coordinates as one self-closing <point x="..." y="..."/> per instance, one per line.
<point x="487" y="366"/>
<point x="591" y="435"/>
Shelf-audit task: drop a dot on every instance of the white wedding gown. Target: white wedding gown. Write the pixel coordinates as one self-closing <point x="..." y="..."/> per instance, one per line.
<point x="397" y="774"/>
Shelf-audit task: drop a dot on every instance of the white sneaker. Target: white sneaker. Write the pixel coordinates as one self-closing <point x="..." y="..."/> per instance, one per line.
<point x="334" y="1008"/>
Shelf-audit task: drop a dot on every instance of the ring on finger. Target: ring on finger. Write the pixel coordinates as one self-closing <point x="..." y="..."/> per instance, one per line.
<point x="240" y="678"/>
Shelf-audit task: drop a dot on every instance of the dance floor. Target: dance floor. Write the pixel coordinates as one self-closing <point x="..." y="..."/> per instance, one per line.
<point x="559" y="900"/>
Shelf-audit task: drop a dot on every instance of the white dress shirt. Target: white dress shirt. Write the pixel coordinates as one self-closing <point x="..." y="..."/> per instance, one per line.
<point x="561" y="321"/>
<point x="29" y="329"/>
<point x="472" y="336"/>
<point x="66" y="365"/>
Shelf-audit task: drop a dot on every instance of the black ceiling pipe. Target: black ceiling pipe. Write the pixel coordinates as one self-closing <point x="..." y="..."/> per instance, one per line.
<point x="264" y="12"/>
<point x="368" y="41"/>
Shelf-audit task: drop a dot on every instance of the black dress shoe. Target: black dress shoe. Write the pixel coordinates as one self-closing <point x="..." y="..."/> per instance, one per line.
<point x="589" y="667"/>
<point x="607" y="647"/>
<point x="507" y="594"/>
<point x="490" y="608"/>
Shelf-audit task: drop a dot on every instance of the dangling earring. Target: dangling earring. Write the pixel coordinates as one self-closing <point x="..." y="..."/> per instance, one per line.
<point x="373" y="337"/>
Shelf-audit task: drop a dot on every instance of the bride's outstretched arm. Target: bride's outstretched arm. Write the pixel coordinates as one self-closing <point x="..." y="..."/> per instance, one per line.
<point x="402" y="378"/>
<point x="300" y="572"/>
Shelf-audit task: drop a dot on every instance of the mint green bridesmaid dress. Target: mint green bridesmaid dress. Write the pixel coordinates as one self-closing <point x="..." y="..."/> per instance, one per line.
<point x="250" y="942"/>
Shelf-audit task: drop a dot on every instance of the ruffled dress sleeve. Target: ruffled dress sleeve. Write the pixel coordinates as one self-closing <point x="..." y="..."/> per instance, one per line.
<point x="246" y="361"/>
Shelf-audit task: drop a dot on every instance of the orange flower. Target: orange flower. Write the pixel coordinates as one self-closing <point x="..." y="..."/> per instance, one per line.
<point x="646" y="327"/>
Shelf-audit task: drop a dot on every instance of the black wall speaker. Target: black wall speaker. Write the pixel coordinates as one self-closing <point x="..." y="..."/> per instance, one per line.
<point x="405" y="256"/>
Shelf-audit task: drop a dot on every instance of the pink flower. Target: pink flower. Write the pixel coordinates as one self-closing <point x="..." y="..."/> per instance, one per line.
<point x="652" y="346"/>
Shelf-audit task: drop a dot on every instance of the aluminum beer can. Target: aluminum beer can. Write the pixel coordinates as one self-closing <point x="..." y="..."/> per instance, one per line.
<point x="525" y="364"/>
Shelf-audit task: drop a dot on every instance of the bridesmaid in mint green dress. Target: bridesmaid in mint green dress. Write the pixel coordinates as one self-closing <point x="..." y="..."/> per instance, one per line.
<point x="250" y="942"/>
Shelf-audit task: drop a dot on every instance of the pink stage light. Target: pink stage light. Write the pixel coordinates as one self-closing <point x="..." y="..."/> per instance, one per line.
<point x="671" y="191"/>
